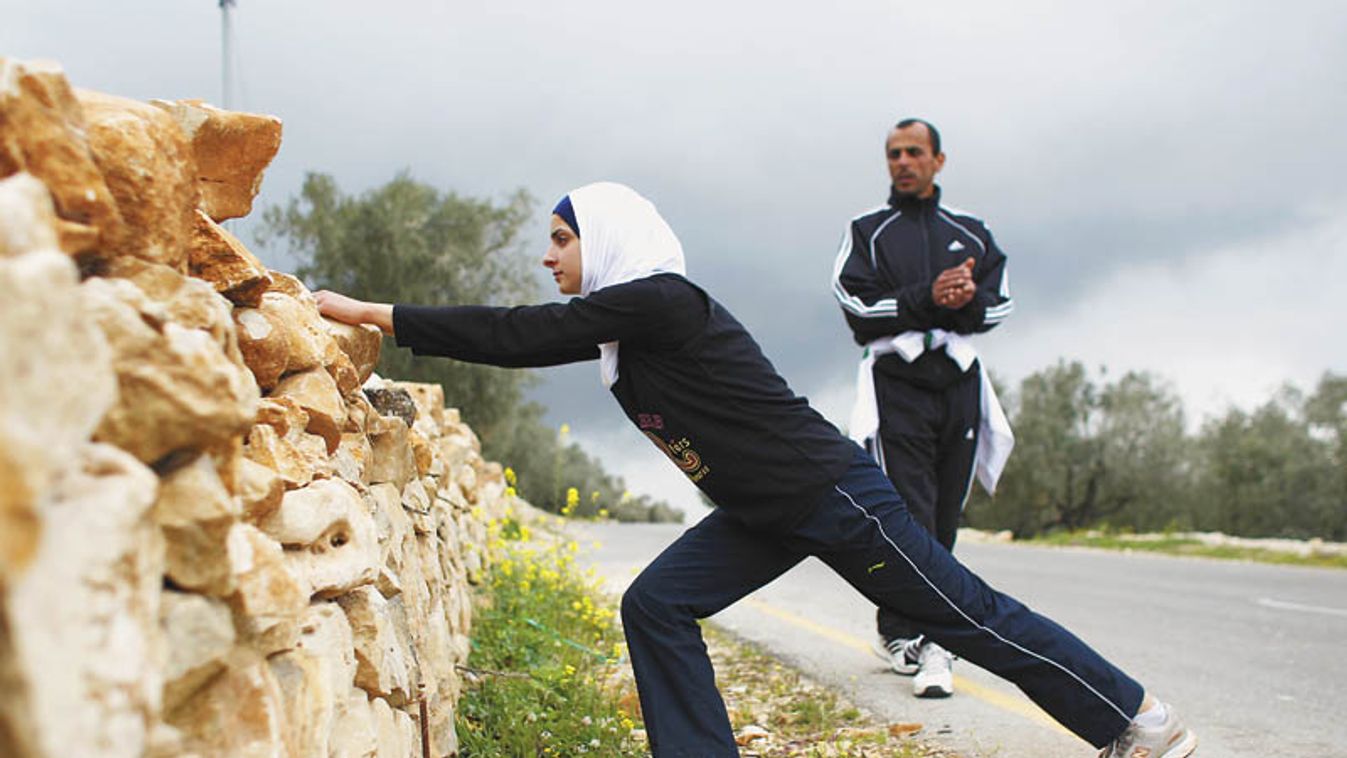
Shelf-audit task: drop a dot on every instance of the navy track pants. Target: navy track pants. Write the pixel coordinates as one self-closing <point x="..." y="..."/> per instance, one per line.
<point x="863" y="531"/>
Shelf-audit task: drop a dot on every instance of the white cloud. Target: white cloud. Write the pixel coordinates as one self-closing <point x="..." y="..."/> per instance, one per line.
<point x="1228" y="326"/>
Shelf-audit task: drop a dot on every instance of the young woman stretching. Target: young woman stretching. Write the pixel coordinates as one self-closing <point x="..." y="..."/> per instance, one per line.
<point x="787" y="483"/>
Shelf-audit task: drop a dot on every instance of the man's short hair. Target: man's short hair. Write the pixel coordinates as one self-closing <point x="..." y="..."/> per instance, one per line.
<point x="935" y="133"/>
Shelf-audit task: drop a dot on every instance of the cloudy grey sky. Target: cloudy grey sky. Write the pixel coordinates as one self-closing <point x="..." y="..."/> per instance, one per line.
<point x="1166" y="177"/>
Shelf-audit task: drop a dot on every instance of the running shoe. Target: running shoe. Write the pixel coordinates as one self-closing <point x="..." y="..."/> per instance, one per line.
<point x="934" y="675"/>
<point x="899" y="653"/>
<point x="1169" y="740"/>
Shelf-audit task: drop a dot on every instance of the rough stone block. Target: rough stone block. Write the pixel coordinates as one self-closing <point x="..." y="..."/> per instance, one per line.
<point x="221" y="259"/>
<point x="147" y="164"/>
<point x="83" y="650"/>
<point x="43" y="132"/>
<point x="230" y="150"/>
<point x="199" y="633"/>
<point x="56" y="389"/>
<point x="330" y="536"/>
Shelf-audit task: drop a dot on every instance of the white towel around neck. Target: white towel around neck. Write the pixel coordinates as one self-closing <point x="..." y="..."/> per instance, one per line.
<point x="622" y="238"/>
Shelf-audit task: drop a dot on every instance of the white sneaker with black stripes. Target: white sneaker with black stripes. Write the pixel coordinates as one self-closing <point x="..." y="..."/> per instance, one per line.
<point x="935" y="677"/>
<point x="899" y="653"/>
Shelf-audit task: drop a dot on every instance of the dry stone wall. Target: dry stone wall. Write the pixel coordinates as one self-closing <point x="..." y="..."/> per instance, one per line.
<point x="212" y="543"/>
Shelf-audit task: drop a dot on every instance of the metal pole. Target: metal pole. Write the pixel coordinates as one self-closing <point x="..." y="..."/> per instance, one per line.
<point x="227" y="54"/>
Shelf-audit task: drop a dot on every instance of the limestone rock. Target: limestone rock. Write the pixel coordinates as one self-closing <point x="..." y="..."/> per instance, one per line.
<point x="147" y="163"/>
<point x="240" y="712"/>
<point x="394" y="529"/>
<point x="194" y="493"/>
<point x="309" y="701"/>
<point x="289" y="284"/>
<point x="316" y="393"/>
<point x="330" y="537"/>
<point x="315" y="679"/>
<point x="186" y="301"/>
<point x="282" y="414"/>
<point x="28" y="220"/>
<point x="398" y="735"/>
<point x="261" y="335"/>
<point x="342" y="370"/>
<point x="279" y="442"/>
<point x="269" y="598"/>
<point x="355" y="735"/>
<point x="227" y="459"/>
<point x="82" y="651"/>
<point x="296" y="458"/>
<point x="361" y="344"/>
<point x="422" y="453"/>
<point x="282" y="335"/>
<point x="56" y="383"/>
<point x="352" y="457"/>
<point x="383" y="659"/>
<point x="358" y="412"/>
<point x="259" y="490"/>
<point x="466" y="476"/>
<point x="177" y="387"/>
<point x="393" y="460"/>
<point x="429" y="399"/>
<point x="197" y="515"/>
<point x="200" y="633"/>
<point x="443" y="734"/>
<point x="43" y="132"/>
<point x="221" y="259"/>
<point x="230" y="149"/>
<point x="419" y="505"/>
<point x="326" y="547"/>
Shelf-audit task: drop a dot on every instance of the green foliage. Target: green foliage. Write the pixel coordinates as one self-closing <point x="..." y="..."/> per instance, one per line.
<point x="545" y="658"/>
<point x="1091" y="453"/>
<point x="1266" y="474"/>
<point x="407" y="242"/>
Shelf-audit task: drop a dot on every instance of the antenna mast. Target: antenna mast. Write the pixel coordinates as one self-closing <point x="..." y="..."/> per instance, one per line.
<point x="227" y="53"/>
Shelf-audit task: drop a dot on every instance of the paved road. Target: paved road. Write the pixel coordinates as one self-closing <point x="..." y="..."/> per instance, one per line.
<point x="1254" y="655"/>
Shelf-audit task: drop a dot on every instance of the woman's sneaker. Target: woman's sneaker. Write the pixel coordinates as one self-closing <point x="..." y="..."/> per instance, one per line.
<point x="934" y="675"/>
<point x="1169" y="740"/>
<point x="899" y="653"/>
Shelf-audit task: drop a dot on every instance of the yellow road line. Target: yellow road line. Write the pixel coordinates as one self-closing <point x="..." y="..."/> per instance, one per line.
<point x="1016" y="705"/>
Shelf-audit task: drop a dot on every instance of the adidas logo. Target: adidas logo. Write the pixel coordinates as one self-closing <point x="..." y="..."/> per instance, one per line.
<point x="969" y="434"/>
<point x="955" y="246"/>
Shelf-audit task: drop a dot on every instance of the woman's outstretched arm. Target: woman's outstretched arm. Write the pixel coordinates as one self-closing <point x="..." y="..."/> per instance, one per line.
<point x="348" y="310"/>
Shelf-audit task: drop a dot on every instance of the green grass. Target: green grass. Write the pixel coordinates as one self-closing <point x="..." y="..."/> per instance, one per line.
<point x="546" y="662"/>
<point x="1188" y="546"/>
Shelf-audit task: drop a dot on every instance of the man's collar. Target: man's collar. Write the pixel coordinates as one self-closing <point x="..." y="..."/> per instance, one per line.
<point x="899" y="201"/>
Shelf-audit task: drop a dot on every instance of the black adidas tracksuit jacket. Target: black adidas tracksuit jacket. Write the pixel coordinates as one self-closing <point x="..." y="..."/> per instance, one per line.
<point x="689" y="376"/>
<point x="883" y="275"/>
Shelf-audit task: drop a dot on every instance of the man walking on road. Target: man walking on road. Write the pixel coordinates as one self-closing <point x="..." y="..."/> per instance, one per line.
<point x="914" y="279"/>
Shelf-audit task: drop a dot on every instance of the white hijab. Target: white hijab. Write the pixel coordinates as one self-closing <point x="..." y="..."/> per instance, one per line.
<point x="622" y="238"/>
